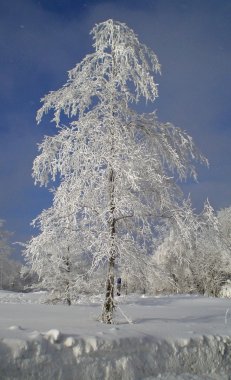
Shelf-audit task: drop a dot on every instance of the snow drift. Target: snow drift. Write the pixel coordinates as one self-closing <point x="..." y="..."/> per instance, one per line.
<point x="180" y="337"/>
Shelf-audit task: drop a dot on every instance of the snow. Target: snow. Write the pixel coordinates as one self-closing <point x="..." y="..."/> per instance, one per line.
<point x="180" y="337"/>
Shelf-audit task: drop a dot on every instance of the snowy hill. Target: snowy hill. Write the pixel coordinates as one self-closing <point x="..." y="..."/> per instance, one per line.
<point x="176" y="337"/>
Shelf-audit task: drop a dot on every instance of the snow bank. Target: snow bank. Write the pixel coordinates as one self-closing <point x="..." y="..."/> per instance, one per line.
<point x="180" y="337"/>
<point x="126" y="358"/>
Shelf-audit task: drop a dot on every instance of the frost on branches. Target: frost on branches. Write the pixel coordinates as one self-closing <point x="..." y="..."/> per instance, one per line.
<point x="192" y="255"/>
<point x="114" y="166"/>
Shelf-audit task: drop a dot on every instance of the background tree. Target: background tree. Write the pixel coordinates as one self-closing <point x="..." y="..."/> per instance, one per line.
<point x="224" y="219"/>
<point x="198" y="264"/>
<point x="9" y="268"/>
<point x="114" y="165"/>
<point x="60" y="270"/>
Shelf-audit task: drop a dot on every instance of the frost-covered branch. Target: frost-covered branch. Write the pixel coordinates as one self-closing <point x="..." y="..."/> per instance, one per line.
<point x="112" y="168"/>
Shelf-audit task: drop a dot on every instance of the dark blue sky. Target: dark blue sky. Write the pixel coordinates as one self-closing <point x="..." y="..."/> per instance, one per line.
<point x="41" y="40"/>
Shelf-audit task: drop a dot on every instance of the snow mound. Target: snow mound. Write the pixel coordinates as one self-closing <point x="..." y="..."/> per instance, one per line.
<point x="125" y="359"/>
<point x="53" y="335"/>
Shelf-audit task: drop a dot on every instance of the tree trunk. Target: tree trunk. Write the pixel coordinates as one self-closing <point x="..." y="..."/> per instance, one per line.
<point x="68" y="298"/>
<point x="109" y="304"/>
<point x="68" y="270"/>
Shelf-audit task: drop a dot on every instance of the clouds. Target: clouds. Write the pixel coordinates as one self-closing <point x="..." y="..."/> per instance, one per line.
<point x="41" y="40"/>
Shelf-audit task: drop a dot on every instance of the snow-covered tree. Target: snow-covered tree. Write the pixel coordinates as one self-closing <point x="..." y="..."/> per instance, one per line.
<point x="169" y="267"/>
<point x="5" y="251"/>
<point x="224" y="218"/>
<point x="197" y="264"/>
<point x="53" y="256"/>
<point x="210" y="262"/>
<point x="53" y="260"/>
<point x="9" y="268"/>
<point x="112" y="167"/>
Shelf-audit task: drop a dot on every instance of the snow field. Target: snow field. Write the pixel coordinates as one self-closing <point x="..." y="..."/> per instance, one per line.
<point x="177" y="337"/>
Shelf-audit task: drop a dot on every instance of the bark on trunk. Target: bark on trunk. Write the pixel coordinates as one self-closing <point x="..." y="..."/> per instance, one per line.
<point x="68" y="270"/>
<point x="109" y="305"/>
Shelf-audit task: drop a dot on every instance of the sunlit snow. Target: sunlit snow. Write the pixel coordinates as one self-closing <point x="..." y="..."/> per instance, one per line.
<point x="170" y="337"/>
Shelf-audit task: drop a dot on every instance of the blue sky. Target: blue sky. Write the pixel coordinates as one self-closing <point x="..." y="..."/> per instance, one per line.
<point x="41" y="40"/>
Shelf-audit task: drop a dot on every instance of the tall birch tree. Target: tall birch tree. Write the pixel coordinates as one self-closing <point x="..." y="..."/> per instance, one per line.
<point x="114" y="166"/>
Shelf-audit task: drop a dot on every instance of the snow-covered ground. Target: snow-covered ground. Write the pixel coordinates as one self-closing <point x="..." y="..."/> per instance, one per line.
<point x="170" y="338"/>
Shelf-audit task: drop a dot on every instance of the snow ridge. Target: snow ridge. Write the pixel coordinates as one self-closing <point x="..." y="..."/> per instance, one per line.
<point x="54" y="356"/>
